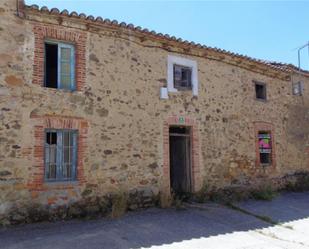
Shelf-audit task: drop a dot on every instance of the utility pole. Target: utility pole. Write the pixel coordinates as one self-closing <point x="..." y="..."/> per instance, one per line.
<point x="302" y="47"/>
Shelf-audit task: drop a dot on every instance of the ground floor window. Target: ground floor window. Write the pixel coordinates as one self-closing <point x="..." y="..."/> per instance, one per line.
<point x="60" y="155"/>
<point x="265" y="147"/>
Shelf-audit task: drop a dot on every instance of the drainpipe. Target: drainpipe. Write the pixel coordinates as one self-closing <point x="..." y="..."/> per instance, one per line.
<point x="20" y="6"/>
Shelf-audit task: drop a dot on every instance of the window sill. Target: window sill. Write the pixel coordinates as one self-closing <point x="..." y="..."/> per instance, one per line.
<point x="261" y="100"/>
<point x="60" y="184"/>
<point x="266" y="165"/>
<point x="184" y="89"/>
<point x="60" y="89"/>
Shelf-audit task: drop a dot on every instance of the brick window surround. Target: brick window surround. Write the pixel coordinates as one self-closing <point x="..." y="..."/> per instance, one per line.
<point x="45" y="32"/>
<point x="268" y="127"/>
<point x="196" y="172"/>
<point x="36" y="172"/>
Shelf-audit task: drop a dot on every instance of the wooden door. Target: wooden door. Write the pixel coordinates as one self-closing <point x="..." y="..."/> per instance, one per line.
<point x="180" y="161"/>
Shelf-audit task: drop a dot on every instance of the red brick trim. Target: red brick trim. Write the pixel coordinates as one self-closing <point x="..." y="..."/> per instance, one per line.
<point x="36" y="172"/>
<point x="264" y="126"/>
<point x="43" y="32"/>
<point x="196" y="171"/>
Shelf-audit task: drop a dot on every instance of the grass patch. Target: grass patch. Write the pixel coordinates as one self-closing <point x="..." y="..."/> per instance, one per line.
<point x="266" y="193"/>
<point x="119" y="204"/>
<point x="300" y="185"/>
<point x="178" y="199"/>
<point x="202" y="195"/>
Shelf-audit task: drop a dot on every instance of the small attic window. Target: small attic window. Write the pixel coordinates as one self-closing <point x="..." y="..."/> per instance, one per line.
<point x="260" y="91"/>
<point x="182" y="77"/>
<point x="298" y="88"/>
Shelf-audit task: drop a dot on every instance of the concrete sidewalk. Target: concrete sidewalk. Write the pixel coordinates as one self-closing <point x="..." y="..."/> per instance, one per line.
<point x="214" y="226"/>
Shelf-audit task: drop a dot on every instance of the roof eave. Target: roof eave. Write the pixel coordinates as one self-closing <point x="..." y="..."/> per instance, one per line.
<point x="189" y="48"/>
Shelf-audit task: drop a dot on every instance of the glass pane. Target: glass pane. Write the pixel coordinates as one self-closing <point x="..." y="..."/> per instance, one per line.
<point x="65" y="54"/>
<point x="177" y="73"/>
<point x="52" y="171"/>
<point x="265" y="158"/>
<point x="65" y="68"/>
<point x="66" y="138"/>
<point x="189" y="77"/>
<point x="47" y="155"/>
<point x="65" y="82"/>
<point x="66" y="155"/>
<point x="71" y="154"/>
<point x="52" y="154"/>
<point x="67" y="171"/>
<point x="72" y="136"/>
<point x="184" y="74"/>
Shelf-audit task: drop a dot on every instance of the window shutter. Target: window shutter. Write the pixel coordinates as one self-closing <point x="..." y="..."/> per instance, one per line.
<point x="74" y="156"/>
<point x="66" y="64"/>
<point x="47" y="159"/>
<point x="59" y="154"/>
<point x="50" y="155"/>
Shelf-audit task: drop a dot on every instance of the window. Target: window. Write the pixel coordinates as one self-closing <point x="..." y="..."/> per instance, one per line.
<point x="182" y="77"/>
<point x="265" y="147"/>
<point x="298" y="88"/>
<point x="59" y="65"/>
<point x="60" y="155"/>
<point x="260" y="91"/>
<point x="182" y="74"/>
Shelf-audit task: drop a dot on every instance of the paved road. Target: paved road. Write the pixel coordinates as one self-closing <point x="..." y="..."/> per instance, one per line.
<point x="213" y="226"/>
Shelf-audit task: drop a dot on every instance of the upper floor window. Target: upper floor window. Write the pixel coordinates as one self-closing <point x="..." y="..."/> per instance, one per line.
<point x="182" y="77"/>
<point x="182" y="74"/>
<point x="260" y="91"/>
<point x="60" y="155"/>
<point x="298" y="88"/>
<point x="59" y="65"/>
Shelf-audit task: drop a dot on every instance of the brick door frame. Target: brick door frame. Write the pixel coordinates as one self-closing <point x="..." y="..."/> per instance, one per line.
<point x="196" y="179"/>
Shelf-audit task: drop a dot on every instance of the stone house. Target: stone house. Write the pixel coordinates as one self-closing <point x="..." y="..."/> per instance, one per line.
<point x="90" y="107"/>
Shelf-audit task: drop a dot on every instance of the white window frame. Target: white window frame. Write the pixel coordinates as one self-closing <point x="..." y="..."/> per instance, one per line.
<point x="171" y="61"/>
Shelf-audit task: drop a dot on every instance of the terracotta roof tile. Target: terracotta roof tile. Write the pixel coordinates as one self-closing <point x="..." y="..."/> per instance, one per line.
<point x="275" y="65"/>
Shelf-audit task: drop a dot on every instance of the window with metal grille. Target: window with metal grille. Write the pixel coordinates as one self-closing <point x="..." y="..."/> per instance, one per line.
<point x="265" y="147"/>
<point x="60" y="155"/>
<point x="59" y="65"/>
<point x="182" y="77"/>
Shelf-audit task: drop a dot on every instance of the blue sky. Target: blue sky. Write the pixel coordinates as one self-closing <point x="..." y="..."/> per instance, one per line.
<point x="270" y="30"/>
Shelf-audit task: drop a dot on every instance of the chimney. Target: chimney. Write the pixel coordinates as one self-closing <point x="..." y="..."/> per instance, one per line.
<point x="20" y="8"/>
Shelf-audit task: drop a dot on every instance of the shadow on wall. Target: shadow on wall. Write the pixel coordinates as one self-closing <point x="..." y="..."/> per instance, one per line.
<point x="155" y="227"/>
<point x="297" y="125"/>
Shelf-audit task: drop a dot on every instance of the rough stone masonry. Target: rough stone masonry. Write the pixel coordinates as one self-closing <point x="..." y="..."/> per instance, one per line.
<point x="122" y="105"/>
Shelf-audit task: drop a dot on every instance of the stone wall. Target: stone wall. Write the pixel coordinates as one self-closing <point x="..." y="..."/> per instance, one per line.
<point x="123" y="120"/>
